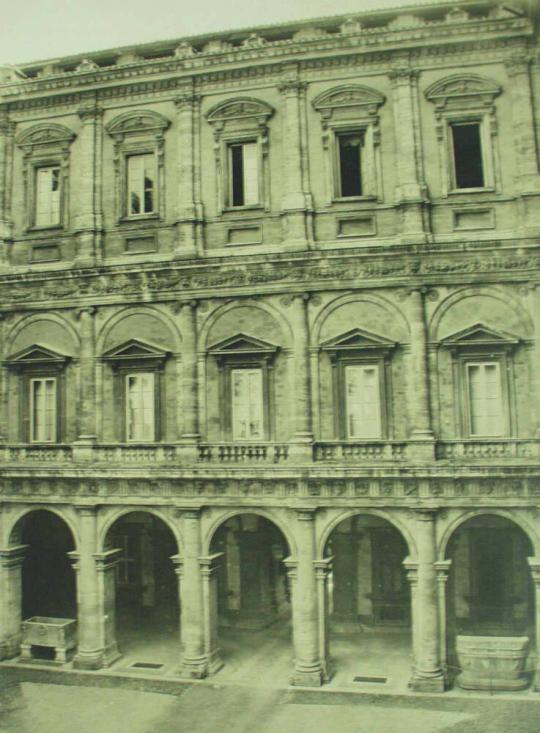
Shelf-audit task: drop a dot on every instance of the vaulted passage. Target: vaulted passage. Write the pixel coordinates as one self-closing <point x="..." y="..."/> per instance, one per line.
<point x="48" y="579"/>
<point x="253" y="590"/>
<point x="490" y="604"/>
<point x="146" y="587"/>
<point x="369" y="601"/>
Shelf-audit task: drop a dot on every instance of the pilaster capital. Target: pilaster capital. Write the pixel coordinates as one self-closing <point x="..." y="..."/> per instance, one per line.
<point x="7" y="126"/>
<point x="292" y="87"/>
<point x="86" y="510"/>
<point x="517" y="64"/>
<point x="442" y="568"/>
<point x="186" y="100"/>
<point x="107" y="560"/>
<point x="534" y="564"/>
<point x="323" y="567"/>
<point x="411" y="569"/>
<point x="305" y="514"/>
<point x="425" y="513"/>
<point x="89" y="112"/>
<point x="208" y="564"/>
<point x="188" y="512"/>
<point x="85" y="313"/>
<point x="403" y="75"/>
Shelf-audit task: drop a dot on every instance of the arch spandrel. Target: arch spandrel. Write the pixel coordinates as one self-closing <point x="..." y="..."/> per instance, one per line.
<point x="249" y="317"/>
<point x="15" y="527"/>
<point x="147" y="323"/>
<point x="49" y="330"/>
<point x="218" y="516"/>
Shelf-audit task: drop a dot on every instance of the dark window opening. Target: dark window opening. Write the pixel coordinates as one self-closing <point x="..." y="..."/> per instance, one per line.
<point x="350" y="151"/>
<point x="237" y="175"/>
<point x="468" y="166"/>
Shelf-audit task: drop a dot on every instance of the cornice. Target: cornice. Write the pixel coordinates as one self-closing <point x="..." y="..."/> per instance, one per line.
<point x="243" y="60"/>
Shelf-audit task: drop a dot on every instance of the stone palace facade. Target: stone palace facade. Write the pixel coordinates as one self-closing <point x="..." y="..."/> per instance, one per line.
<point x="270" y="334"/>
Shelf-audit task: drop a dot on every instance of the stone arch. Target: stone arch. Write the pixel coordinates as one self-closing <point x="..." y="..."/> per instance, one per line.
<point x="239" y="108"/>
<point x="325" y="313"/>
<point x="488" y="292"/>
<point x="511" y="516"/>
<point x="117" y="317"/>
<point x="222" y="310"/>
<point x="45" y="133"/>
<point x="15" y="530"/>
<point x="27" y="321"/>
<point x="400" y="526"/>
<point x="115" y="514"/>
<point x="137" y="121"/>
<point x="268" y="514"/>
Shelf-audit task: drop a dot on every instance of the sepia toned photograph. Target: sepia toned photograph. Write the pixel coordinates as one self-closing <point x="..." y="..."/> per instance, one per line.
<point x="270" y="366"/>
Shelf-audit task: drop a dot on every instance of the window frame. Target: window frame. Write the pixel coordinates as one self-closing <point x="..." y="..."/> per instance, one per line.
<point x="363" y="364"/>
<point x="45" y="146"/>
<point x="237" y="121"/>
<point x="155" y="404"/>
<point x="263" y="398"/>
<point x="465" y="360"/>
<point x="32" y="381"/>
<point x="140" y="132"/>
<point x="137" y="357"/>
<point x="345" y="110"/>
<point x="485" y="152"/>
<point x="229" y="205"/>
<point x="128" y="155"/>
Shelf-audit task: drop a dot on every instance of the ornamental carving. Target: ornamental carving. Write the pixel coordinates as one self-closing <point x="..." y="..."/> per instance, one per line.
<point x="462" y="90"/>
<point x="351" y="95"/>
<point x="137" y="122"/>
<point x="46" y="134"/>
<point x="240" y="109"/>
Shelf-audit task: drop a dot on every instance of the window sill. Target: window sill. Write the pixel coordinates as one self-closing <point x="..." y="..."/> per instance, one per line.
<point x="247" y="207"/>
<point x="138" y="217"/>
<point x="353" y="199"/>
<point x="50" y="229"/>
<point x="468" y="191"/>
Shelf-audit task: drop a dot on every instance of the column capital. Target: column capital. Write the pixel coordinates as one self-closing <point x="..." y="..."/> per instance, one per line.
<point x="91" y="310"/>
<point x="442" y="568"/>
<point x="305" y="514"/>
<point x="106" y="560"/>
<point x="323" y="567"/>
<point x="208" y="564"/>
<point x="534" y="564"/>
<point x="89" y="510"/>
<point x="425" y="513"/>
<point x="188" y="512"/>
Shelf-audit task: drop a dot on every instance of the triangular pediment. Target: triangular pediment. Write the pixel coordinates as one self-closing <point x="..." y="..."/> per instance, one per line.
<point x="241" y="343"/>
<point x="479" y="335"/>
<point x="358" y="338"/>
<point x="133" y="350"/>
<point x="36" y="354"/>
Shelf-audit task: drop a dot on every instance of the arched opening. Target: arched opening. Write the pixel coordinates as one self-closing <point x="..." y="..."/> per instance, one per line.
<point x="146" y="591"/>
<point x="253" y="595"/>
<point x="489" y="604"/>
<point x="48" y="585"/>
<point x="369" y="603"/>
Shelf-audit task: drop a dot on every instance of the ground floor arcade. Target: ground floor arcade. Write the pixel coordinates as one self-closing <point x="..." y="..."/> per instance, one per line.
<point x="315" y="593"/>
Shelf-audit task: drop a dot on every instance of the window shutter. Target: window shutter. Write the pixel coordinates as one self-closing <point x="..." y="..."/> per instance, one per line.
<point x="140" y="417"/>
<point x="43" y="410"/>
<point x="251" y="174"/>
<point x="247" y="407"/>
<point x="363" y="407"/>
<point x="485" y="399"/>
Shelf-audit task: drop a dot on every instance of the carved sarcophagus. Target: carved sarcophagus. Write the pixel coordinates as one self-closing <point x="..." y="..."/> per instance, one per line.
<point x="58" y="634"/>
<point x="492" y="662"/>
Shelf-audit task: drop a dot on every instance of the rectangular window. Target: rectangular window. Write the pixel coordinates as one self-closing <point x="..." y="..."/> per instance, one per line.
<point x="47" y="196"/>
<point x="43" y="410"/>
<point x="244" y="174"/>
<point x="350" y="163"/>
<point x="247" y="404"/>
<point x="363" y="404"/>
<point x="140" y="407"/>
<point x="467" y="147"/>
<point x="141" y="177"/>
<point x="485" y="399"/>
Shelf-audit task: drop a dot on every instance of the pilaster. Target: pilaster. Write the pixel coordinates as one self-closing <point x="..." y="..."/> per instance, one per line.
<point x="11" y="560"/>
<point x="428" y="675"/>
<point x="322" y="571"/>
<point x="418" y="393"/>
<point x="309" y="667"/>
<point x="208" y="568"/>
<point x="7" y="130"/>
<point x="534" y="564"/>
<point x="296" y="202"/>
<point x="534" y="309"/>
<point x="442" y="568"/>
<point x="301" y="443"/>
<point x="189" y="214"/>
<point x="82" y="447"/>
<point x="106" y="563"/>
<point x="410" y="191"/>
<point x="188" y="407"/>
<point x="88" y="223"/>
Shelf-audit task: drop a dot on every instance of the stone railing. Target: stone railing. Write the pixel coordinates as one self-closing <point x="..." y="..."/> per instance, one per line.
<point x="487" y="449"/>
<point x="359" y="452"/>
<point x="37" y="453"/>
<point x="243" y="452"/>
<point x="134" y="453"/>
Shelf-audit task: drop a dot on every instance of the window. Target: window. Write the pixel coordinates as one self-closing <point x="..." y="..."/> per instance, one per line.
<point x="141" y="178"/>
<point x="360" y="362"/>
<point x="43" y="410"/>
<point x="139" y="164"/>
<point x="126" y="567"/>
<point x="137" y="369"/>
<point x="467" y="150"/>
<point x="46" y="162"/>
<point x="485" y="399"/>
<point x="466" y="130"/>
<point x="362" y="401"/>
<point x="140" y="414"/>
<point x="351" y="141"/>
<point x="350" y="169"/>
<point x="47" y="196"/>
<point x="247" y="404"/>
<point x="244" y="174"/>
<point x="241" y="152"/>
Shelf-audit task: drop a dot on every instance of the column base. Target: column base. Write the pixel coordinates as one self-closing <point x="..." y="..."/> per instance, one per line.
<point x="194" y="668"/>
<point x="10" y="647"/>
<point x="310" y="677"/>
<point x="436" y="683"/>
<point x="97" y="659"/>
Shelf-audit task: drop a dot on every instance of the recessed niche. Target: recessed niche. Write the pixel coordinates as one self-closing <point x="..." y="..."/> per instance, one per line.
<point x="358" y="226"/>
<point x="44" y="253"/>
<point x="244" y="235"/>
<point x="139" y="245"/>
<point x="474" y="219"/>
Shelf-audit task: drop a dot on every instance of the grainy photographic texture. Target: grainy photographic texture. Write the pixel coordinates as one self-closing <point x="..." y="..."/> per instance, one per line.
<point x="270" y="383"/>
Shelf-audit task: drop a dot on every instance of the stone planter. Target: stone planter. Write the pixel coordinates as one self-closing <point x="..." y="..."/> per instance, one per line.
<point x="44" y="631"/>
<point x="492" y="662"/>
